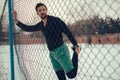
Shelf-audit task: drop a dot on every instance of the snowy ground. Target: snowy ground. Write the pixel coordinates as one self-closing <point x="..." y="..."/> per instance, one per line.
<point x="96" y="62"/>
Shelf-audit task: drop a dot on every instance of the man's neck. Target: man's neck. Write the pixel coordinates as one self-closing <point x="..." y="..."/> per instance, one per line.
<point x="44" y="21"/>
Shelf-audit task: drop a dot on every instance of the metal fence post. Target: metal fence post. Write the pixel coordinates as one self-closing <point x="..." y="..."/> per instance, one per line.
<point x="11" y="38"/>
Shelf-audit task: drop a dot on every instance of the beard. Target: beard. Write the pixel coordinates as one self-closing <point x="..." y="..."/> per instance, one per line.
<point x="43" y="16"/>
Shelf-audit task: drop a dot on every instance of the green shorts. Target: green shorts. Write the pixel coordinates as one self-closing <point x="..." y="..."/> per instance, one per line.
<point x="60" y="58"/>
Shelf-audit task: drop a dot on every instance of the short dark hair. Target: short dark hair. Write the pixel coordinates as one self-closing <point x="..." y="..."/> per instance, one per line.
<point x="40" y="4"/>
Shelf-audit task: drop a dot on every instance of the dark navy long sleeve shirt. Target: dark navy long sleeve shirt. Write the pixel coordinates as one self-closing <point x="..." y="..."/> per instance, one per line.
<point x="52" y="31"/>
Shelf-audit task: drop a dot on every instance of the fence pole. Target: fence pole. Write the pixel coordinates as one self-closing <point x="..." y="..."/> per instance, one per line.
<point x="11" y="38"/>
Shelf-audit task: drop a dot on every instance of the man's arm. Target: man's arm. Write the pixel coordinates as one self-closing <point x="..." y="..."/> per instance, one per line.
<point x="28" y="28"/>
<point x="69" y="34"/>
<point x="63" y="27"/>
<point x="24" y="27"/>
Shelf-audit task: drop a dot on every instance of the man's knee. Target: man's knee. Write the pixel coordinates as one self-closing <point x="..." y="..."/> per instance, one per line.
<point x="61" y="75"/>
<point x="71" y="74"/>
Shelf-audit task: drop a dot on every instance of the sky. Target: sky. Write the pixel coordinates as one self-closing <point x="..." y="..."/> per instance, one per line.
<point x="1" y="5"/>
<point x="5" y="11"/>
<point x="68" y="10"/>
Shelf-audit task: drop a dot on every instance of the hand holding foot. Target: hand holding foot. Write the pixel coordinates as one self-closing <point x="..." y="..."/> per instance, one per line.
<point x="77" y="49"/>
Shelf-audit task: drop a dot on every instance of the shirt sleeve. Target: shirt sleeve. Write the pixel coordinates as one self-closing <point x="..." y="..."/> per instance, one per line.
<point x="64" y="28"/>
<point x="28" y="28"/>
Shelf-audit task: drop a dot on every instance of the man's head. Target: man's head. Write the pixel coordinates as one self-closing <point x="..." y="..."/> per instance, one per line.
<point x="41" y="10"/>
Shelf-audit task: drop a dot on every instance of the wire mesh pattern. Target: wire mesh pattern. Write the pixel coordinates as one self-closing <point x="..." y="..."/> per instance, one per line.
<point x="98" y="20"/>
<point x="3" y="72"/>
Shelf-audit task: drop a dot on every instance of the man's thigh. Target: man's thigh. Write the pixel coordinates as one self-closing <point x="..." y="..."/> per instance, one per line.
<point x="61" y="58"/>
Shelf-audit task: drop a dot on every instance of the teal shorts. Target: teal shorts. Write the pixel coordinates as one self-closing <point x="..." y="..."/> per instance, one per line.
<point x="60" y="58"/>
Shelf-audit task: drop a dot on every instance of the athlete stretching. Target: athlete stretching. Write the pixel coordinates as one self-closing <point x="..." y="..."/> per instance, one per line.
<point x="52" y="28"/>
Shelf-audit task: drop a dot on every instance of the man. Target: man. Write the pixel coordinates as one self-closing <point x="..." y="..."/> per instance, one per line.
<point x="52" y="28"/>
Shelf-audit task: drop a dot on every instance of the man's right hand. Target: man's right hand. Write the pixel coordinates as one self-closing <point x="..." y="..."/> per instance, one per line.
<point x="15" y="16"/>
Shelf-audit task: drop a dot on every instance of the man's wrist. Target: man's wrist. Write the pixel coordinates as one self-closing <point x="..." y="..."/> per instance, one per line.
<point x="76" y="46"/>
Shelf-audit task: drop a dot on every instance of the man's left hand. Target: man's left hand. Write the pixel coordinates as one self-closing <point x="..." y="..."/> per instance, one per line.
<point x="77" y="49"/>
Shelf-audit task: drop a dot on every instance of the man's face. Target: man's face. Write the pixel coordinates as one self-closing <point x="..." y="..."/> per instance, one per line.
<point x="42" y="12"/>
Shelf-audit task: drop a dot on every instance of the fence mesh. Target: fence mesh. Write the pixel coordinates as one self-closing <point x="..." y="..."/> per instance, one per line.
<point x="94" y="23"/>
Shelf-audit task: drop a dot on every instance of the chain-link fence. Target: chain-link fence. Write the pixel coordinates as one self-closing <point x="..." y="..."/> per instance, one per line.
<point x="94" y="23"/>
<point x="4" y="39"/>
